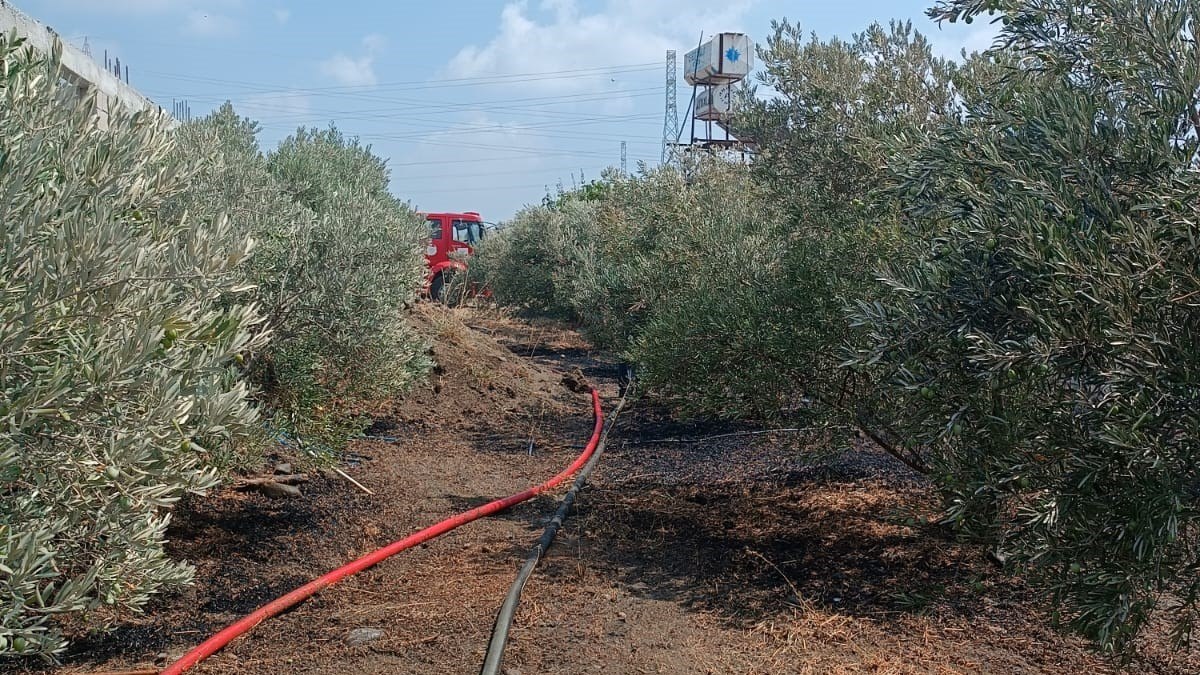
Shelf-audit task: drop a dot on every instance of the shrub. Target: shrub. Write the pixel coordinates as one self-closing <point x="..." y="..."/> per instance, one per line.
<point x="729" y="284"/>
<point x="119" y="330"/>
<point x="685" y="282"/>
<point x="1033" y="343"/>
<point x="1041" y="352"/>
<point x="823" y="143"/>
<point x="366" y="264"/>
<point x="523" y="263"/>
<point x="337" y="260"/>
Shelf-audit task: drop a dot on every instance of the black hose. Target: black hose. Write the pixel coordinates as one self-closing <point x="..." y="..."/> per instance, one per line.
<point x="495" y="652"/>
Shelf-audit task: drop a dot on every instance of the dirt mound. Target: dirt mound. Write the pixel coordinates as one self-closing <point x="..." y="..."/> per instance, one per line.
<point x="475" y="377"/>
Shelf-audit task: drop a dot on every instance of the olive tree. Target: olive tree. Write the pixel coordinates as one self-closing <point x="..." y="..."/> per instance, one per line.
<point x="337" y="260"/>
<point x="362" y="268"/>
<point x="824" y="152"/>
<point x="528" y="263"/>
<point x="120" y="332"/>
<point x="1040" y="341"/>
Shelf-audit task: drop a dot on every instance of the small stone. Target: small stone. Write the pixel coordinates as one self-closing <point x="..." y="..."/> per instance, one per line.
<point x="621" y="615"/>
<point x="279" y="490"/>
<point x="361" y="636"/>
<point x="512" y="671"/>
<point x="576" y="381"/>
<point x="283" y="468"/>
<point x="161" y="657"/>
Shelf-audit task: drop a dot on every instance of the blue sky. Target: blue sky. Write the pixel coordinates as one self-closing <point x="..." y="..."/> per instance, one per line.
<point x="477" y="105"/>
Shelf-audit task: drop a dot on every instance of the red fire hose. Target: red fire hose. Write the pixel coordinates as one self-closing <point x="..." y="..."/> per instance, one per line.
<point x="273" y="608"/>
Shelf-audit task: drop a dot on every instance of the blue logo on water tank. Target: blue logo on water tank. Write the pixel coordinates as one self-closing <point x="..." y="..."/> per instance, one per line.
<point x="733" y="55"/>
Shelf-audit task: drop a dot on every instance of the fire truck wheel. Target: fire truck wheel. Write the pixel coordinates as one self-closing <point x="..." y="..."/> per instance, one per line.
<point x="437" y="287"/>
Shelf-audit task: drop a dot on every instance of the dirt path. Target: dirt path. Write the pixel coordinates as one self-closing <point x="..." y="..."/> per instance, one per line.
<point x="740" y="554"/>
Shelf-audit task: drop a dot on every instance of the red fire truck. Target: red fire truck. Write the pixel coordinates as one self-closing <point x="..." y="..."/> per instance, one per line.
<point x="452" y="237"/>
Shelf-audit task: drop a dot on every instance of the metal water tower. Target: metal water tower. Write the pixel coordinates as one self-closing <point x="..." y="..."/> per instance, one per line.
<point x="724" y="59"/>
<point x="713" y="68"/>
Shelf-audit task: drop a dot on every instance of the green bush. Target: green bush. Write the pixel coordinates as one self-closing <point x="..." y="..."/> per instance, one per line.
<point x="336" y="262"/>
<point x="366" y="264"/>
<point x="683" y="280"/>
<point x="824" y="140"/>
<point x="1041" y="341"/>
<point x="119" y="331"/>
<point x="523" y="263"/>
<point x="1033" y="345"/>
<point x="729" y="284"/>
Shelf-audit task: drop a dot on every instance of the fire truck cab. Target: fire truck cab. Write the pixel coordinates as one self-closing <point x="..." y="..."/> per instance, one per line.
<point x="452" y="238"/>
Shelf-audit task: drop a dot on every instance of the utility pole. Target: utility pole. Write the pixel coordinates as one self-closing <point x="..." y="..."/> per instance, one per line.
<point x="671" y="114"/>
<point x="624" y="172"/>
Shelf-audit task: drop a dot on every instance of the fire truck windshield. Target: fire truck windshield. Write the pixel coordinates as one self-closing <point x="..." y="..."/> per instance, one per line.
<point x="468" y="231"/>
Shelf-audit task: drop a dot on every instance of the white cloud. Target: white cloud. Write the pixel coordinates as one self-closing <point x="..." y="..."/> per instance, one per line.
<point x="351" y="72"/>
<point x="355" y="71"/>
<point x="282" y="15"/>
<point x="494" y="145"/>
<point x="206" y="24"/>
<point x="561" y="36"/>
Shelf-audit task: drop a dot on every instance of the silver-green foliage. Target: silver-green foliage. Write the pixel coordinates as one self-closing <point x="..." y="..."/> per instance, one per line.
<point x="824" y="142"/>
<point x="752" y="269"/>
<point x="730" y="284"/>
<point x="676" y="268"/>
<point x="336" y="260"/>
<point x="528" y="263"/>
<point x="366" y="265"/>
<point x="1042" y="350"/>
<point x="686" y="272"/>
<point x="119" y="328"/>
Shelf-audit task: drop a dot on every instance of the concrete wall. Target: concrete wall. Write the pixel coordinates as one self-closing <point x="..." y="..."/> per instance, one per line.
<point x="78" y="67"/>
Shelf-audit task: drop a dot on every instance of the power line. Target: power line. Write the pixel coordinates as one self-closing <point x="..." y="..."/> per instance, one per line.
<point x="530" y="102"/>
<point x="540" y="106"/>
<point x="455" y="105"/>
<point x="485" y="146"/>
<point x="435" y="127"/>
<point x="348" y="90"/>
<point x="489" y="174"/>
<point x="484" y="188"/>
<point x="393" y="113"/>
<point x="465" y="160"/>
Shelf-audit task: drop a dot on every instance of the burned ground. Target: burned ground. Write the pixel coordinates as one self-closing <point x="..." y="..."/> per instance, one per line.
<point x="692" y="550"/>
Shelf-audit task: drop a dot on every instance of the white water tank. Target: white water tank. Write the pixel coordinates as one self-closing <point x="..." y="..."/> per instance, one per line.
<point x="714" y="103"/>
<point x="727" y="57"/>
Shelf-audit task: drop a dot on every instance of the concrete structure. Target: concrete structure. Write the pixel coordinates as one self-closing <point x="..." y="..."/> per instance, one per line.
<point x="77" y="67"/>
